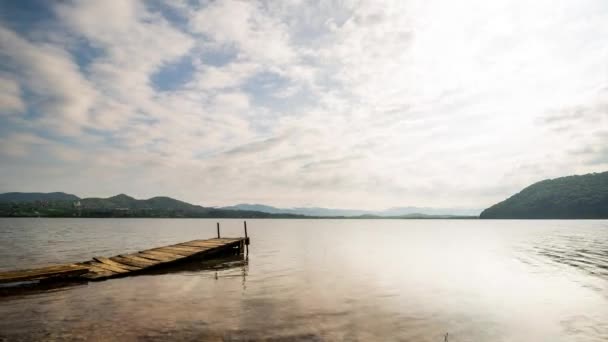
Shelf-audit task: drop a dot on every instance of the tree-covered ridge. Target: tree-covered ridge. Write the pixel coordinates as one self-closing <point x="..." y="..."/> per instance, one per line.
<point x="572" y="197"/>
<point x="40" y="204"/>
<point x="65" y="205"/>
<point x="22" y="197"/>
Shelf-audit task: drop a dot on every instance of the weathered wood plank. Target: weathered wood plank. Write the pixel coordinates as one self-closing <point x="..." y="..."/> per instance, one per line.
<point x="42" y="273"/>
<point x="173" y="251"/>
<point x="136" y="257"/>
<point x="96" y="272"/>
<point x="186" y="248"/>
<point x="108" y="267"/>
<point x="163" y="257"/>
<point x="202" y="244"/>
<point x="132" y="262"/>
<point x="216" y="241"/>
<point x="107" y="261"/>
<point x="163" y="254"/>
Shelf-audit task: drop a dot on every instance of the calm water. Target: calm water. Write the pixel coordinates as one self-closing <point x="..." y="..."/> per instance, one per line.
<point x="321" y="280"/>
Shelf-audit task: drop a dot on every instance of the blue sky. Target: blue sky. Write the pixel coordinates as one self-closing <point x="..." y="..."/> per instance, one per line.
<point x="358" y="104"/>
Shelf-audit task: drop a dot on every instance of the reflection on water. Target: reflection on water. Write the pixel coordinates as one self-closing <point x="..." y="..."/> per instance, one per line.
<point x="321" y="280"/>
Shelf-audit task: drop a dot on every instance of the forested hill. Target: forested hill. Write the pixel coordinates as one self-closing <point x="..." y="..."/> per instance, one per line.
<point x="23" y="197"/>
<point x="572" y="197"/>
<point x="66" y="205"/>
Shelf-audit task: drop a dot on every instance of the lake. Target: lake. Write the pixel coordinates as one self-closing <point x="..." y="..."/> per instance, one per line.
<point x="320" y="280"/>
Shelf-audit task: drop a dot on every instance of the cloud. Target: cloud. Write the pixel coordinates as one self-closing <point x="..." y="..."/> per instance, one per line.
<point x="230" y="76"/>
<point x="134" y="43"/>
<point x="10" y="96"/>
<point x="19" y="144"/>
<point x="584" y="127"/>
<point x="63" y="95"/>
<point x="245" y="24"/>
<point x="335" y="103"/>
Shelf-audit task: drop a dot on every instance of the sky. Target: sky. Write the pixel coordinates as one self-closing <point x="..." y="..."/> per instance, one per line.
<point x="343" y="104"/>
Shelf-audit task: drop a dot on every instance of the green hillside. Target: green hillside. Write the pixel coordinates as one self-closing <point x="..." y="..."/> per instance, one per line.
<point x="123" y="201"/>
<point x="23" y="197"/>
<point x="32" y="205"/>
<point x="572" y="197"/>
<point x="64" y="205"/>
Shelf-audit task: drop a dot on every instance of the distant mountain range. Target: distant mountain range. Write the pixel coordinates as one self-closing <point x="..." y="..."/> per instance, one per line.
<point x="572" y="197"/>
<point x="22" y="197"/>
<point x="66" y="205"/>
<point x="59" y="204"/>
<point x="325" y="212"/>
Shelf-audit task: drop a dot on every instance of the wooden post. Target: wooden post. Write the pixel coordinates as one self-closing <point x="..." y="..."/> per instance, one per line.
<point x="246" y="238"/>
<point x="218" y="230"/>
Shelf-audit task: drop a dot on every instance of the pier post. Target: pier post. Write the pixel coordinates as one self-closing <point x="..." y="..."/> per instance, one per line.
<point x="246" y="238"/>
<point x="218" y="230"/>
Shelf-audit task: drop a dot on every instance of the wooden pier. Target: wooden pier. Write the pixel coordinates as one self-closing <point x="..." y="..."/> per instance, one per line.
<point x="100" y="268"/>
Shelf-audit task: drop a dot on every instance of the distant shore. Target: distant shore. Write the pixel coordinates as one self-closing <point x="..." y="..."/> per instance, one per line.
<point x="269" y="216"/>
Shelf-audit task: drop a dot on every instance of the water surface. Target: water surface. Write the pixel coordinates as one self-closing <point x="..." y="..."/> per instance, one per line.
<point x="320" y="280"/>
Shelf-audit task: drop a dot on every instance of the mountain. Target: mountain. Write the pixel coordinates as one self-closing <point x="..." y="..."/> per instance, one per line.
<point x="21" y="197"/>
<point x="310" y="211"/>
<point x="123" y="201"/>
<point x="256" y="207"/>
<point x="64" y="205"/>
<point x="572" y="197"/>
<point x="401" y="211"/>
<point x="326" y="212"/>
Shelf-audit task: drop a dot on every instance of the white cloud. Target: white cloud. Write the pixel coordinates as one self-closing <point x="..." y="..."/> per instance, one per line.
<point x="385" y="103"/>
<point x="246" y="25"/>
<point x="10" y="96"/>
<point x="233" y="75"/>
<point x="20" y="144"/>
<point x="63" y="95"/>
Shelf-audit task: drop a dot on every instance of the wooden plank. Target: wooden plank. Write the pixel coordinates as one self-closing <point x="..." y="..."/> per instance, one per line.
<point x="160" y="256"/>
<point x="163" y="254"/>
<point x="203" y="244"/>
<point x="108" y="267"/>
<point x="134" y="256"/>
<point x="98" y="272"/>
<point x="42" y="273"/>
<point x="154" y="257"/>
<point x="121" y="259"/>
<point x="93" y="268"/>
<point x="186" y="248"/>
<point x="178" y="251"/>
<point x="173" y="251"/>
<point x="107" y="261"/>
